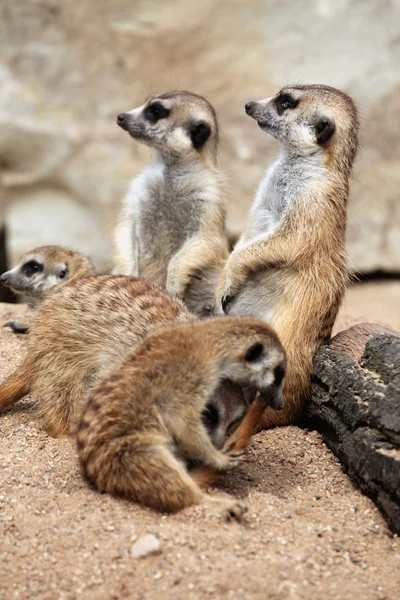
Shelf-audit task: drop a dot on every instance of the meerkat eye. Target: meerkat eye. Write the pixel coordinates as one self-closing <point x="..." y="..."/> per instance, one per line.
<point x="254" y="353"/>
<point x="32" y="267"/>
<point x="63" y="273"/>
<point x="279" y="374"/>
<point x="155" y="112"/>
<point x="284" y="102"/>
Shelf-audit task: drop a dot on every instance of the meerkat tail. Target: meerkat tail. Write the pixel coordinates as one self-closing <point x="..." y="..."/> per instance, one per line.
<point x="15" y="387"/>
<point x="205" y="476"/>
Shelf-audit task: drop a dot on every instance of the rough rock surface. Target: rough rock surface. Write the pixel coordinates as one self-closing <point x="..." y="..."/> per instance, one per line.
<point x="69" y="68"/>
<point x="355" y="403"/>
<point x="309" y="532"/>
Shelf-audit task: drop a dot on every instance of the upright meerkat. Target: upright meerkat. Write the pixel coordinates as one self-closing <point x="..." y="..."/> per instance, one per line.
<point x="171" y="230"/>
<point x="42" y="270"/>
<point x="86" y="330"/>
<point x="289" y="268"/>
<point x="145" y="418"/>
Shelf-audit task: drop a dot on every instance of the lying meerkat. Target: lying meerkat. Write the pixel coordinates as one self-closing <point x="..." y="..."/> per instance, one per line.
<point x="171" y="230"/>
<point x="145" y="418"/>
<point x="42" y="270"/>
<point x="85" y="331"/>
<point x="289" y="268"/>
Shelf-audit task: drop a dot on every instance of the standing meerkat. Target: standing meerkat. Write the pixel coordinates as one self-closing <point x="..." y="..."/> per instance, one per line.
<point x="289" y="267"/>
<point x="145" y="418"/>
<point x="43" y="270"/>
<point x="86" y="330"/>
<point x="171" y="230"/>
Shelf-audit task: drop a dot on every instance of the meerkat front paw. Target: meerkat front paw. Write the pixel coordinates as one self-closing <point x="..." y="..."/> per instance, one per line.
<point x="229" y="460"/>
<point x="176" y="286"/>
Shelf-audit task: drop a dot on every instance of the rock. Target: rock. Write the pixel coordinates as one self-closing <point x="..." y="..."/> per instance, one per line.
<point x="146" y="545"/>
<point x="68" y="70"/>
<point x="355" y="404"/>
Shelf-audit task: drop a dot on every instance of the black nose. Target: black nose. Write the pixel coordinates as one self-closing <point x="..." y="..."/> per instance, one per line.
<point x="248" y="107"/>
<point x="121" y="118"/>
<point x="3" y="278"/>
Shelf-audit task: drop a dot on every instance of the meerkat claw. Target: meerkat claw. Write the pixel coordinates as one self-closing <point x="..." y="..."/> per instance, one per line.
<point x="225" y="300"/>
<point x="235" y="511"/>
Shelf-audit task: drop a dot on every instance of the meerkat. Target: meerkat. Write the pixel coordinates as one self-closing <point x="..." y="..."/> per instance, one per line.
<point x="171" y="229"/>
<point x="43" y="270"/>
<point x="289" y="268"/>
<point x="86" y="330"/>
<point x="145" y="418"/>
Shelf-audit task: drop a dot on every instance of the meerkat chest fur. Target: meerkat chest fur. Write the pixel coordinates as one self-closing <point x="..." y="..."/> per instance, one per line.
<point x="169" y="204"/>
<point x="289" y="182"/>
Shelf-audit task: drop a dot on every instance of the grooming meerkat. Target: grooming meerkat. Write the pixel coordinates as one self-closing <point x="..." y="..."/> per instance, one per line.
<point x="171" y="230"/>
<point x="42" y="270"/>
<point x="289" y="268"/>
<point x="145" y="418"/>
<point x="86" y="330"/>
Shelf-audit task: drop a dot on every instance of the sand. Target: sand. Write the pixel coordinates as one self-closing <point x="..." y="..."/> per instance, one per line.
<point x="308" y="534"/>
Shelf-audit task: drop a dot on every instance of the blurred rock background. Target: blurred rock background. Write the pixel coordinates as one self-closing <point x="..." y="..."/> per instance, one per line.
<point x="68" y="68"/>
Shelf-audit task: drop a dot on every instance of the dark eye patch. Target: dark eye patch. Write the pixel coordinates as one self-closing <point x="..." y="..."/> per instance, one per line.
<point x="31" y="267"/>
<point x="279" y="374"/>
<point x="284" y="102"/>
<point x="155" y="112"/>
<point x="210" y="417"/>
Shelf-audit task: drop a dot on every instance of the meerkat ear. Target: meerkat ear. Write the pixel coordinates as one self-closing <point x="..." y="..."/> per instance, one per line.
<point x="254" y="353"/>
<point x="199" y="134"/>
<point x="324" y="130"/>
<point x="61" y="270"/>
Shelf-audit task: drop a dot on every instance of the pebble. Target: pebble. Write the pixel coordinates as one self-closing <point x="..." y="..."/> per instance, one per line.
<point x="146" y="545"/>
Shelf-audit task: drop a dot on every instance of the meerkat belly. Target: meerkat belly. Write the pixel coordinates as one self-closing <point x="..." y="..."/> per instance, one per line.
<point x="260" y="296"/>
<point x="168" y="218"/>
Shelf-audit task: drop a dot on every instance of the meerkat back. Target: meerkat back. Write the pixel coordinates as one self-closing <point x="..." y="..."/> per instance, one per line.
<point x="172" y="225"/>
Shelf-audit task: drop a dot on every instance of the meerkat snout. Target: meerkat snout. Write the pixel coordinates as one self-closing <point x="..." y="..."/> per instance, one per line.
<point x="248" y="107"/>
<point x="121" y="120"/>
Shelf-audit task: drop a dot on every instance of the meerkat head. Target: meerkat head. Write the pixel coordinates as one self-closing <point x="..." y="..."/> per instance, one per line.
<point x="310" y="119"/>
<point x="46" y="267"/>
<point x="178" y="124"/>
<point x="254" y="358"/>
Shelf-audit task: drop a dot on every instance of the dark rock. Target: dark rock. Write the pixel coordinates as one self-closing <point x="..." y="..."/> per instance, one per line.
<point x="355" y="404"/>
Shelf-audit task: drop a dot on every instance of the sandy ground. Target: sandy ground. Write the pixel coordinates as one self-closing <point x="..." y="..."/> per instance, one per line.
<point x="309" y="534"/>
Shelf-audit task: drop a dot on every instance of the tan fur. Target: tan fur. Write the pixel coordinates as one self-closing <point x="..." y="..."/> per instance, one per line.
<point x="171" y="229"/>
<point x="295" y="276"/>
<point x="86" y="330"/>
<point x="143" y="420"/>
<point x="60" y="266"/>
<point x="82" y="332"/>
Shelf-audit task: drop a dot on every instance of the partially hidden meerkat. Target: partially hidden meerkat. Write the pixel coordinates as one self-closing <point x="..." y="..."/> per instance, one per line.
<point x="289" y="268"/>
<point x="86" y="330"/>
<point x="171" y="229"/>
<point x="144" y="419"/>
<point x="43" y="270"/>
